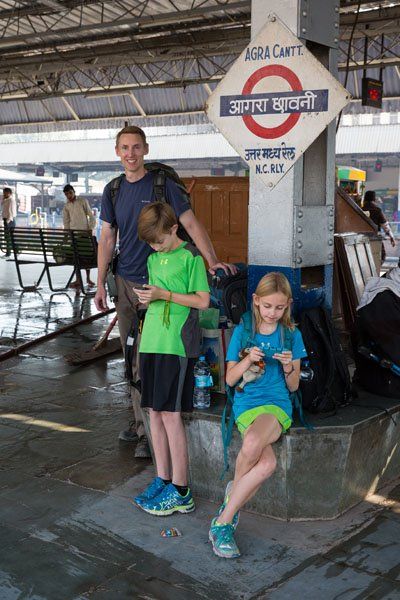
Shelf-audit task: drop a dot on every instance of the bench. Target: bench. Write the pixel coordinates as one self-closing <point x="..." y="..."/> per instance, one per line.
<point x="51" y="248"/>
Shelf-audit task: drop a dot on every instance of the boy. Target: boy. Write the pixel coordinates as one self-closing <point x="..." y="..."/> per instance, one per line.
<point x="169" y="347"/>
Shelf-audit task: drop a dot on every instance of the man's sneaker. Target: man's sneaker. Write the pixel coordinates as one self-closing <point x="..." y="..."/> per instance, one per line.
<point x="223" y="542"/>
<point x="129" y="435"/>
<point x="142" y="449"/>
<point x="228" y="489"/>
<point x="168" y="502"/>
<point x="155" y="488"/>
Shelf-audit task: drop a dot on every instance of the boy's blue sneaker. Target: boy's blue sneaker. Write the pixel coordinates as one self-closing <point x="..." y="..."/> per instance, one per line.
<point x="168" y="501"/>
<point x="223" y="542"/>
<point x="155" y="488"/>
<point x="228" y="489"/>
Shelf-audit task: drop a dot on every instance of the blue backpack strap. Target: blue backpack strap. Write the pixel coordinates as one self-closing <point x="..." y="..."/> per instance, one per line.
<point x="227" y="423"/>
<point x="247" y="334"/>
<point x="228" y="419"/>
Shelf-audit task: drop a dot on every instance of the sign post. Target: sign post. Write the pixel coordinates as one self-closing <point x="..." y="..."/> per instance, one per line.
<point x="276" y="107"/>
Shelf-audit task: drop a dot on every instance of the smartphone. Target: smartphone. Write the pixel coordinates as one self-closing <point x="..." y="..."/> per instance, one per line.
<point x="140" y="286"/>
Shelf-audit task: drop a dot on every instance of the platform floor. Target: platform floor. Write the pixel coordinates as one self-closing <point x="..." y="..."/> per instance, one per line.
<point x="68" y="529"/>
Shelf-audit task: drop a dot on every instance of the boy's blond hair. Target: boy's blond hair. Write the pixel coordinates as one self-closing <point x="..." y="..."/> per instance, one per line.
<point x="155" y="219"/>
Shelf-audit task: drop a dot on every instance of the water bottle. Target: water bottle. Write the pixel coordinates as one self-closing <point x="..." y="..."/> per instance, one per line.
<point x="202" y="384"/>
<point x="306" y="372"/>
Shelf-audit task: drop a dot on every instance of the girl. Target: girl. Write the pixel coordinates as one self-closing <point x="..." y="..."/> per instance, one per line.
<point x="263" y="409"/>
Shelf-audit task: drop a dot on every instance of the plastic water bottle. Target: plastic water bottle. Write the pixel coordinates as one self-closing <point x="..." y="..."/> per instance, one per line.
<point x="202" y="384"/>
<point x="306" y="372"/>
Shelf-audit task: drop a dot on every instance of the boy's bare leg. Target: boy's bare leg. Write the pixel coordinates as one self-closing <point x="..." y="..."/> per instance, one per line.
<point x="177" y="446"/>
<point x="160" y="445"/>
<point x="255" y="463"/>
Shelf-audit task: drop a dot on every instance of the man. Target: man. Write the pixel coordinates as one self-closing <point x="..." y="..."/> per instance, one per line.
<point x="377" y="215"/>
<point x="9" y="211"/>
<point x="137" y="190"/>
<point x="77" y="214"/>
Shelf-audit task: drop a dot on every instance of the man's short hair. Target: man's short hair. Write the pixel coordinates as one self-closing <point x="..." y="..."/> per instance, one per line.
<point x="133" y="130"/>
<point x="155" y="219"/>
<point x="7" y="189"/>
<point x="68" y="188"/>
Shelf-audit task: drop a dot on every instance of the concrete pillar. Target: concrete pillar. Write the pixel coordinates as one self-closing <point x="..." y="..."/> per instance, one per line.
<point x="291" y="227"/>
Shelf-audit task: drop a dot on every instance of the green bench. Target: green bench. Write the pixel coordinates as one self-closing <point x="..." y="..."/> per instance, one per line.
<point x="51" y="248"/>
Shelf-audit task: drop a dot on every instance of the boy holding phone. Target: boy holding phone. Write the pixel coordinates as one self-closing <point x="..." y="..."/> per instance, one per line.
<point x="169" y="347"/>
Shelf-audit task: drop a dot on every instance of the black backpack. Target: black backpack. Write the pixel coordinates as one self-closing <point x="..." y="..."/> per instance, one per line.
<point x="229" y="293"/>
<point x="330" y="386"/>
<point x="161" y="172"/>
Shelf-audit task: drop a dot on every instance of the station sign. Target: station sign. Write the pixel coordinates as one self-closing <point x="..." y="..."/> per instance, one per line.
<point x="275" y="101"/>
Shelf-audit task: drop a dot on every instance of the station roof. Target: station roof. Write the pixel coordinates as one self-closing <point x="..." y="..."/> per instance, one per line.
<point x="96" y="64"/>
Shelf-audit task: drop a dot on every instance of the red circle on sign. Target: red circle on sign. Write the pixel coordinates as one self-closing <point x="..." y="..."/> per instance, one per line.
<point x="295" y="84"/>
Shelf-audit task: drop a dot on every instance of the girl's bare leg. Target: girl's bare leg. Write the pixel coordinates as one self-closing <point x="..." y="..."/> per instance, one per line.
<point x="255" y="463"/>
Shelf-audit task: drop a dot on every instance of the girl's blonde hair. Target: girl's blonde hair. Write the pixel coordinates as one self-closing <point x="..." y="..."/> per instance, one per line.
<point x="271" y="284"/>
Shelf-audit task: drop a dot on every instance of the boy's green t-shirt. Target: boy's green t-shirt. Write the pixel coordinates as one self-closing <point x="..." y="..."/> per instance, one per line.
<point x="181" y="271"/>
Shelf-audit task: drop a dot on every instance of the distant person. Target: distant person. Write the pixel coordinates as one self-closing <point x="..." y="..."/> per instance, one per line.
<point x="169" y="347"/>
<point x="377" y="215"/>
<point x="9" y="211"/>
<point x="77" y="214"/>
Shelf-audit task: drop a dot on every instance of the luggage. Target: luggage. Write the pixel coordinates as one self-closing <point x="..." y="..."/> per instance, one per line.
<point x="378" y="353"/>
<point x="379" y="321"/>
<point x="330" y="387"/>
<point x="376" y="374"/>
<point x="229" y="293"/>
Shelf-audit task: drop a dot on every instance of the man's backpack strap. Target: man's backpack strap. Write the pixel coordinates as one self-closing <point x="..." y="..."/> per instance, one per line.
<point x="130" y="344"/>
<point x="115" y="184"/>
<point x="159" y="186"/>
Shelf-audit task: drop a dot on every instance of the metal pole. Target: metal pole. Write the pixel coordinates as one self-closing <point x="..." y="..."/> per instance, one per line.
<point x="49" y="336"/>
<point x="291" y="227"/>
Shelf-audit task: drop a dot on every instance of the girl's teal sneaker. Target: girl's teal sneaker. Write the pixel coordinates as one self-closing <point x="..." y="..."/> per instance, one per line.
<point x="223" y="542"/>
<point x="235" y="520"/>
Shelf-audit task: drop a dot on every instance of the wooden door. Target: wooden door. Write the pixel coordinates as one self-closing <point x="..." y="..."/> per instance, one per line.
<point x="222" y="204"/>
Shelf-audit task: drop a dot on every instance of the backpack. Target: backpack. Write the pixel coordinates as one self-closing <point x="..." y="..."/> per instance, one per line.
<point x="228" y="293"/>
<point x="377" y="355"/>
<point x="227" y="421"/>
<point x="161" y="172"/>
<point x="330" y="386"/>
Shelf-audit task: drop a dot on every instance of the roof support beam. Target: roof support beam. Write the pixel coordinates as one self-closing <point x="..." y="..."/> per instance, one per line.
<point x="131" y="26"/>
<point x="137" y="104"/>
<point x="71" y="110"/>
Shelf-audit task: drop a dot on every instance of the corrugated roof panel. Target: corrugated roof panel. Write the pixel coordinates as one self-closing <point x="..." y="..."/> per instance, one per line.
<point x="368" y="139"/>
<point x="92" y="106"/>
